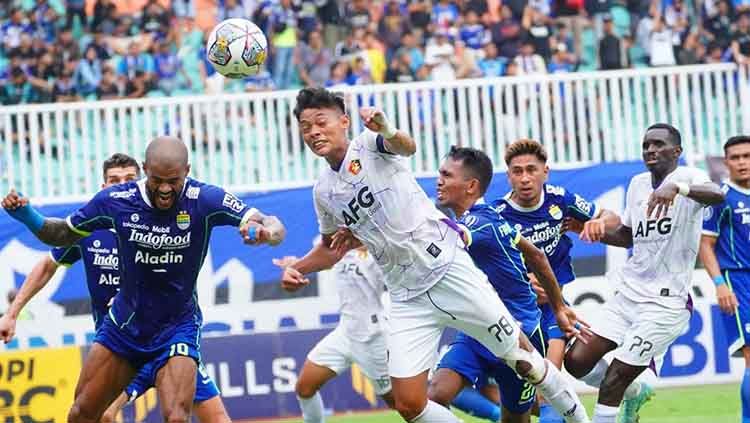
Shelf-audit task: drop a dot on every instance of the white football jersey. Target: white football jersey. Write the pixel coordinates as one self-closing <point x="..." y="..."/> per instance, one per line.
<point x="375" y="195"/>
<point x="664" y="251"/>
<point x="360" y="285"/>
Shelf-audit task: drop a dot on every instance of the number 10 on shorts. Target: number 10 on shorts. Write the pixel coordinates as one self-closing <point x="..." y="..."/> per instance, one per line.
<point x="179" y="348"/>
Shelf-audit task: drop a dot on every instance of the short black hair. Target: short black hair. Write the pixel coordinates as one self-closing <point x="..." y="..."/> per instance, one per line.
<point x="478" y="163"/>
<point x="120" y="160"/>
<point x="673" y="132"/>
<point x="738" y="139"/>
<point x="318" y="98"/>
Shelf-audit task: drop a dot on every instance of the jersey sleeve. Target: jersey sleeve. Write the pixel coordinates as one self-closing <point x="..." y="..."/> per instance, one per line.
<point x="627" y="218"/>
<point x="699" y="177"/>
<point x="94" y="215"/>
<point x="326" y="222"/>
<point x="578" y="207"/>
<point x="66" y="256"/>
<point x="374" y="142"/>
<point x="712" y="219"/>
<point x="222" y="207"/>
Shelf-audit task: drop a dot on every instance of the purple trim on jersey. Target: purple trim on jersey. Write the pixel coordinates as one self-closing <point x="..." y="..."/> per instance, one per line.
<point x="380" y="142"/>
<point x="689" y="305"/>
<point x="453" y="225"/>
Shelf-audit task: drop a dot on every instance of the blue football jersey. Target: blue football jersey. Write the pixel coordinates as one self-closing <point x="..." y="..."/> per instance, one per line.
<point x="730" y="222"/>
<point x="541" y="224"/>
<point x="100" y="261"/>
<point x="492" y="245"/>
<point x="161" y="252"/>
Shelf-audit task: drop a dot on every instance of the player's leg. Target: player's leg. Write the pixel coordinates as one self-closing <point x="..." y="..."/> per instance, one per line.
<point x="516" y="395"/>
<point x="328" y="358"/>
<point x="490" y="391"/>
<point x="372" y="359"/>
<point x="103" y="377"/>
<point x="176" y="369"/>
<point x="414" y="332"/>
<point x="110" y="415"/>
<point x="472" y="306"/>
<point x="555" y="351"/>
<point x="207" y="404"/>
<point x="476" y="403"/>
<point x="738" y="336"/>
<point x="745" y="387"/>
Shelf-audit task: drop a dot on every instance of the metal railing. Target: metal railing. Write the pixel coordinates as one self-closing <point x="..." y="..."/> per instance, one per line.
<point x="249" y="142"/>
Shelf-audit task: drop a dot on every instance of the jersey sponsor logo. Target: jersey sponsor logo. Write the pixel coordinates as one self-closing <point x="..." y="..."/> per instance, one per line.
<point x="555" y="212"/>
<point x="169" y="257"/>
<point x="123" y="194"/>
<point x="355" y="166"/>
<point x="159" y="241"/>
<point x="183" y="220"/>
<point x="350" y="268"/>
<point x="505" y="229"/>
<point x="233" y="203"/>
<point x="540" y="237"/>
<point x="109" y="261"/>
<point x="109" y="279"/>
<point x="160" y="229"/>
<point x="434" y="250"/>
<point x="97" y="243"/>
<point x="708" y="213"/>
<point x="662" y="226"/>
<point x="582" y="204"/>
<point x="470" y="220"/>
<point x="135" y="217"/>
<point x="554" y="190"/>
<point x="136" y="226"/>
<point x="363" y="200"/>
<point x="193" y="192"/>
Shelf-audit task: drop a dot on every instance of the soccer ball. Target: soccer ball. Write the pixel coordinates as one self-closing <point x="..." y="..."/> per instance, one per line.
<point x="237" y="48"/>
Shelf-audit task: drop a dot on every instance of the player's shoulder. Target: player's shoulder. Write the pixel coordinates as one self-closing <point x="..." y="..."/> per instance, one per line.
<point x="690" y="173"/>
<point x="118" y="195"/>
<point x="479" y="215"/>
<point x="501" y="204"/>
<point x="553" y="192"/>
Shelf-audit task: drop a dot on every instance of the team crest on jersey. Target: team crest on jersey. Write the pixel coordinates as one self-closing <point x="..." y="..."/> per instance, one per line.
<point x="708" y="213"/>
<point x="183" y="220"/>
<point x="97" y="243"/>
<point x="555" y="212"/>
<point x="470" y="220"/>
<point x="355" y="166"/>
<point x="135" y="218"/>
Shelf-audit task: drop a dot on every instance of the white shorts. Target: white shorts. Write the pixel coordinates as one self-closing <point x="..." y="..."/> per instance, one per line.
<point x="337" y="351"/>
<point x="463" y="299"/>
<point x="641" y="331"/>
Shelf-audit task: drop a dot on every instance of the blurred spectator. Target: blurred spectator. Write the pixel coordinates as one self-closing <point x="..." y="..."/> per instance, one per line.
<point x="135" y="61"/>
<point x="357" y="15"/>
<point x="352" y="45"/>
<point x="259" y="82"/>
<point x="283" y="41"/>
<point x="359" y="75"/>
<point x="444" y="16"/>
<point x="107" y="88"/>
<point x="561" y="61"/>
<point x="25" y="49"/>
<point x="563" y="36"/>
<point x="612" y="51"/>
<point x="393" y="25"/>
<point x="375" y="57"/>
<point x="307" y="15"/>
<point x="64" y="89"/>
<point x="507" y="33"/>
<point x="75" y="8"/>
<point x="661" y="48"/>
<point x="228" y="9"/>
<point x="714" y="53"/>
<point x="67" y="46"/>
<point x="156" y="19"/>
<point x="89" y="72"/>
<point x="400" y="68"/>
<point x="741" y="6"/>
<point x="42" y="77"/>
<point x="409" y="44"/>
<point x="105" y="17"/>
<point x="530" y="63"/>
<point x="45" y="22"/>
<point x="12" y="29"/>
<point x="472" y="32"/>
<point x="185" y="9"/>
<point x="535" y="25"/>
<point x="137" y="86"/>
<point x="741" y="40"/>
<point x="692" y="52"/>
<point x="339" y="75"/>
<point x="99" y="44"/>
<point x="719" y="27"/>
<point x="676" y="18"/>
<point x="17" y="90"/>
<point x="597" y="10"/>
<point x="331" y="14"/>
<point x="491" y="65"/>
<point x="439" y="56"/>
<point x="643" y="33"/>
<point x="313" y="61"/>
<point x="420" y="17"/>
<point x="167" y="66"/>
<point x="465" y="61"/>
<point x="569" y="12"/>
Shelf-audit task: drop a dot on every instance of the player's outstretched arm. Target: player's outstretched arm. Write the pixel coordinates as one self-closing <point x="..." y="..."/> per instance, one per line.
<point x="724" y="296"/>
<point x="36" y="280"/>
<point x="259" y="228"/>
<point x="707" y="194"/>
<point x="51" y="231"/>
<point x="595" y="229"/>
<point x="396" y="140"/>
<point x="620" y="237"/>
<point x="321" y="257"/>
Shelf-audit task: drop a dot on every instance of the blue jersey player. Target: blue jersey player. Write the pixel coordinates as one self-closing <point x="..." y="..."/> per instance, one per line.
<point x="499" y="250"/>
<point x="725" y="252"/>
<point x="163" y="224"/>
<point x="538" y="211"/>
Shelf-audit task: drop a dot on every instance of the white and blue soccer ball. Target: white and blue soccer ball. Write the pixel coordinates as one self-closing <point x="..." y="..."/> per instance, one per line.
<point x="237" y="48"/>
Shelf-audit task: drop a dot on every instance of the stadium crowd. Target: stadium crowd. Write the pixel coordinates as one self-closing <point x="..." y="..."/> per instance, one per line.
<point x="57" y="50"/>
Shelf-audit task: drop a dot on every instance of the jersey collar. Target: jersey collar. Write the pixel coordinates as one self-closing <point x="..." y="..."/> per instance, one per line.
<point x="142" y="189"/>
<point x="480" y="201"/>
<point x="738" y="188"/>
<point x="520" y="208"/>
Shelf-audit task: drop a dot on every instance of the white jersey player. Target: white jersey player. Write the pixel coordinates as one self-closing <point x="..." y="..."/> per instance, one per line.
<point x="368" y="192"/>
<point x="358" y="339"/>
<point x="662" y="223"/>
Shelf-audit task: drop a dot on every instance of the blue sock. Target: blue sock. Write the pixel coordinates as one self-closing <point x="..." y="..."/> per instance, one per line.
<point x="472" y="402"/>
<point x="745" y="397"/>
<point x="547" y="414"/>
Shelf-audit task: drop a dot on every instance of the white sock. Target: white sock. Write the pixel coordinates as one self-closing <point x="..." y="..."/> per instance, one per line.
<point x="605" y="413"/>
<point x="595" y="377"/>
<point x="435" y="413"/>
<point x="312" y="408"/>
<point x="561" y="396"/>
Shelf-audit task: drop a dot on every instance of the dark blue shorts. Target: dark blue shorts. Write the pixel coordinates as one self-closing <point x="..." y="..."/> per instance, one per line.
<point x="205" y="388"/>
<point x="737" y="326"/>
<point x="474" y="362"/>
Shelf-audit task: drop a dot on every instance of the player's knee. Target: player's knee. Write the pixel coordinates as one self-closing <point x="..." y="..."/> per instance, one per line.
<point x="177" y="414"/>
<point x="78" y="414"/>
<point x="409" y="407"/>
<point x="108" y="417"/>
<point x="304" y="390"/>
<point x="439" y="394"/>
<point x="614" y="385"/>
<point x="388" y="398"/>
<point x="575" y="363"/>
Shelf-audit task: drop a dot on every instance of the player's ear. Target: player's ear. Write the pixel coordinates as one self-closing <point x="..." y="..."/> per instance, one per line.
<point x="345" y="121"/>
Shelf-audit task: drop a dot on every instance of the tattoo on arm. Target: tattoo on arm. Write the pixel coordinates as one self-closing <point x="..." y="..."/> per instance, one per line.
<point x="56" y="232"/>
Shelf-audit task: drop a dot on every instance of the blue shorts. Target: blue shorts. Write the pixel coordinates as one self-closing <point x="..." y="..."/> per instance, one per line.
<point x="180" y="340"/>
<point x="205" y="388"/>
<point x="737" y="326"/>
<point x="550" y="329"/>
<point x="475" y="363"/>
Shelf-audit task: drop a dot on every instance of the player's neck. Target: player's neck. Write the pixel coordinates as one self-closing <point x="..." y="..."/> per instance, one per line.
<point x="745" y="183"/>
<point x="336" y="157"/>
<point x="658" y="176"/>
<point x="460" y="209"/>
<point x="527" y="204"/>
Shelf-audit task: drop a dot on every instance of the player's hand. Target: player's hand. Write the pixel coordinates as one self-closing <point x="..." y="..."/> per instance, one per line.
<point x="292" y="280"/>
<point x="661" y="199"/>
<point x="253" y="233"/>
<point x="7" y="328"/>
<point x="572" y="326"/>
<point x="343" y="241"/>
<point x="285" y="261"/>
<point x="727" y="300"/>
<point x="572" y="225"/>
<point x="593" y="230"/>
<point x="373" y="119"/>
<point x="541" y="294"/>
<point x="14" y="200"/>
